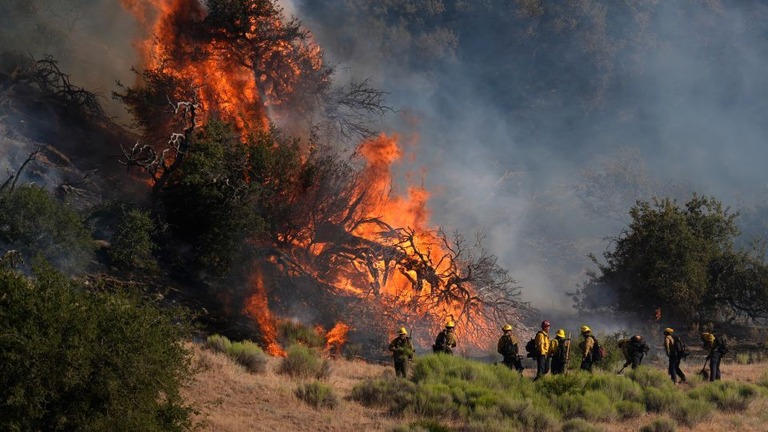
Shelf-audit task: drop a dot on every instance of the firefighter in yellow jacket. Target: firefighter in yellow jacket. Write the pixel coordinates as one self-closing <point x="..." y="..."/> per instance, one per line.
<point x="587" y="345"/>
<point x="542" y="350"/>
<point x="402" y="352"/>
<point x="558" y="352"/>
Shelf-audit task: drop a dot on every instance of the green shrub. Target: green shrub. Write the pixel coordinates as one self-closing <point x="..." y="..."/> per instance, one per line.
<point x="131" y="244"/>
<point x="422" y="426"/>
<point x="580" y="425"/>
<point x="591" y="405"/>
<point x="763" y="380"/>
<point x="629" y="409"/>
<point x="615" y="387"/>
<point x="303" y="362"/>
<point x="391" y="392"/>
<point x="661" y="424"/>
<point x="36" y="224"/>
<point x="318" y="395"/>
<point x="692" y="412"/>
<point x="218" y="343"/>
<point x="743" y="358"/>
<point x="250" y="355"/>
<point x="650" y="377"/>
<point x="663" y="399"/>
<point x="728" y="396"/>
<point x="556" y="385"/>
<point x="291" y="333"/>
<point x="72" y="359"/>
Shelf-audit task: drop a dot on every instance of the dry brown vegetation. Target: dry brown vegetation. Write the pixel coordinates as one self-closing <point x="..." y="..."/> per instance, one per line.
<point x="228" y="398"/>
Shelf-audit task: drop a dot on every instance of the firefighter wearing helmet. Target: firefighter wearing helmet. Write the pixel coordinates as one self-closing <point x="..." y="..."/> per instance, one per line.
<point x="587" y="346"/>
<point x="541" y="354"/>
<point x="508" y="347"/>
<point x="559" y="347"/>
<point x="402" y="352"/>
<point x="446" y="339"/>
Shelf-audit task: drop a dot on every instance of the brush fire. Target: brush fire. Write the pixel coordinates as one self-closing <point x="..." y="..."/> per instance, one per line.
<point x="378" y="249"/>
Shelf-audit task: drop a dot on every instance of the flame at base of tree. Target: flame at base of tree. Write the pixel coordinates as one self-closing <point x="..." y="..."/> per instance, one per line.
<point x="256" y="307"/>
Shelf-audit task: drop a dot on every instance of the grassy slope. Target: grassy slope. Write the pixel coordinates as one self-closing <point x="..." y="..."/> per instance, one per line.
<point x="230" y="399"/>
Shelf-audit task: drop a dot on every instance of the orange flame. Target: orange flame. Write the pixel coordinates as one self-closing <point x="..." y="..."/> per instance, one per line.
<point x="257" y="308"/>
<point x="336" y="338"/>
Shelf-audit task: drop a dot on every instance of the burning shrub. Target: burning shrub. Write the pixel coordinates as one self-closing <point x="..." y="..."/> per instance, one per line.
<point x="291" y="332"/>
<point x="317" y="395"/>
<point x="304" y="362"/>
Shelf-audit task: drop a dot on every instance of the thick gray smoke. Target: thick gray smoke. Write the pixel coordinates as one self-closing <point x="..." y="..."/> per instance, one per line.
<point x="515" y="101"/>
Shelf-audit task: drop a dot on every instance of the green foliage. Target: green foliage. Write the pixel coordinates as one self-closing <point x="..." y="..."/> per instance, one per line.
<point x="218" y="343"/>
<point x="667" y="256"/>
<point x="661" y="424"/>
<point x="131" y="243"/>
<point x="616" y="387"/>
<point x="249" y="355"/>
<point x="650" y="377"/>
<point x="580" y="425"/>
<point x="692" y="412"/>
<point x="291" y="332"/>
<point x="317" y="395"/>
<point x="663" y="399"/>
<point x="628" y="410"/>
<point x="422" y="426"/>
<point x="304" y="362"/>
<point x="71" y="359"/>
<point x="728" y="396"/>
<point x="36" y="224"/>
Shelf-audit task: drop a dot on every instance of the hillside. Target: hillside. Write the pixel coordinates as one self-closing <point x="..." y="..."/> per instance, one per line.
<point x="229" y="399"/>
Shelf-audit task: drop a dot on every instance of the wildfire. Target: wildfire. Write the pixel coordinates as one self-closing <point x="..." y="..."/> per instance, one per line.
<point x="257" y="308"/>
<point x="336" y="338"/>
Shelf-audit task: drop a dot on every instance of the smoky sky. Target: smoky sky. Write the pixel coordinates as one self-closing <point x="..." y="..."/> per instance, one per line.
<point x="525" y="101"/>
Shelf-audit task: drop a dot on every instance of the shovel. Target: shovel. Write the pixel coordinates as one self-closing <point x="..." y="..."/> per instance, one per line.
<point x="704" y="373"/>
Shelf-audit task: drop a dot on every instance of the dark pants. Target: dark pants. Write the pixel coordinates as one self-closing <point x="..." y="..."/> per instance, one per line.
<point x="637" y="358"/>
<point x="674" y="369"/>
<point x="714" y="366"/>
<point x="401" y="367"/>
<point x="513" y="362"/>
<point x="557" y="366"/>
<point x="586" y="364"/>
<point x="542" y="366"/>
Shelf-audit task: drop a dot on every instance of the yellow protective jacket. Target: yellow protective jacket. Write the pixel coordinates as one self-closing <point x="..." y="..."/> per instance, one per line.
<point x="542" y="343"/>
<point x="586" y="346"/>
<point x="669" y="344"/>
<point x="708" y="340"/>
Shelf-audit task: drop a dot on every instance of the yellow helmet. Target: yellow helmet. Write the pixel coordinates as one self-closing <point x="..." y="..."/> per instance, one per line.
<point x="402" y="331"/>
<point x="450" y="324"/>
<point x="585" y="329"/>
<point x="560" y="333"/>
<point x="668" y="330"/>
<point x="507" y="327"/>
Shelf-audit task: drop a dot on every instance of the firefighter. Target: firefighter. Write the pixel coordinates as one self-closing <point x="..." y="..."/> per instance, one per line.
<point x="637" y="350"/>
<point x="587" y="345"/>
<point x="446" y="339"/>
<point x="558" y="352"/>
<point x="673" y="356"/>
<point x="402" y="352"/>
<point x="508" y="347"/>
<point x="715" y="350"/>
<point x="541" y="355"/>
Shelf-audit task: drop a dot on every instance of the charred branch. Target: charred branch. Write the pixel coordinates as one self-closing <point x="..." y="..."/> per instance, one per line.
<point x="14" y="177"/>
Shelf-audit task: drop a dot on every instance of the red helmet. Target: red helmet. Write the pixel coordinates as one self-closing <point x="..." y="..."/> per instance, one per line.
<point x="544" y="324"/>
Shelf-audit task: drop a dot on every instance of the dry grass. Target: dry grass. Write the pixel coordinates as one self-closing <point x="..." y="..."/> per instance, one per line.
<point x="230" y="399"/>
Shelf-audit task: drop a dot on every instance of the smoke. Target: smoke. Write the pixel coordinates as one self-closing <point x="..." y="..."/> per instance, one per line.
<point x="514" y="104"/>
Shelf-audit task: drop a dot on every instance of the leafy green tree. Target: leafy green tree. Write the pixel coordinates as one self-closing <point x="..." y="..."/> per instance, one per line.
<point x="664" y="259"/>
<point x="132" y="241"/>
<point x="35" y="223"/>
<point x="74" y="359"/>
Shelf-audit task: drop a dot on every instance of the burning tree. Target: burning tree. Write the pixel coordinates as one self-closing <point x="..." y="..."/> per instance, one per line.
<point x="314" y="229"/>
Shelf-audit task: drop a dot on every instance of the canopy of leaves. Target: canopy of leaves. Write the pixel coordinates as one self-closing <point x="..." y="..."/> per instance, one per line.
<point x="674" y="257"/>
<point x="73" y="359"/>
<point x="35" y="223"/>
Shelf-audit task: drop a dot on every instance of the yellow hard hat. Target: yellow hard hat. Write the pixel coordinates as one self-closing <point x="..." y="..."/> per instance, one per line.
<point x="585" y="329"/>
<point x="402" y="331"/>
<point x="560" y="333"/>
<point x="668" y="330"/>
<point x="450" y="324"/>
<point x="507" y="327"/>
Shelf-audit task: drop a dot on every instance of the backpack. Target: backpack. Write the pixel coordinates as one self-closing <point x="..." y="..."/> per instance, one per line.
<point x="530" y="348"/>
<point x="598" y="352"/>
<point x="440" y="342"/>
<point x="723" y="348"/>
<point x="680" y="348"/>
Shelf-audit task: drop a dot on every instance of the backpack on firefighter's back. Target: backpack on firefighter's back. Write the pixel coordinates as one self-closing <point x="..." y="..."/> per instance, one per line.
<point x="598" y="352"/>
<point x="530" y="348"/>
<point x="679" y="346"/>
